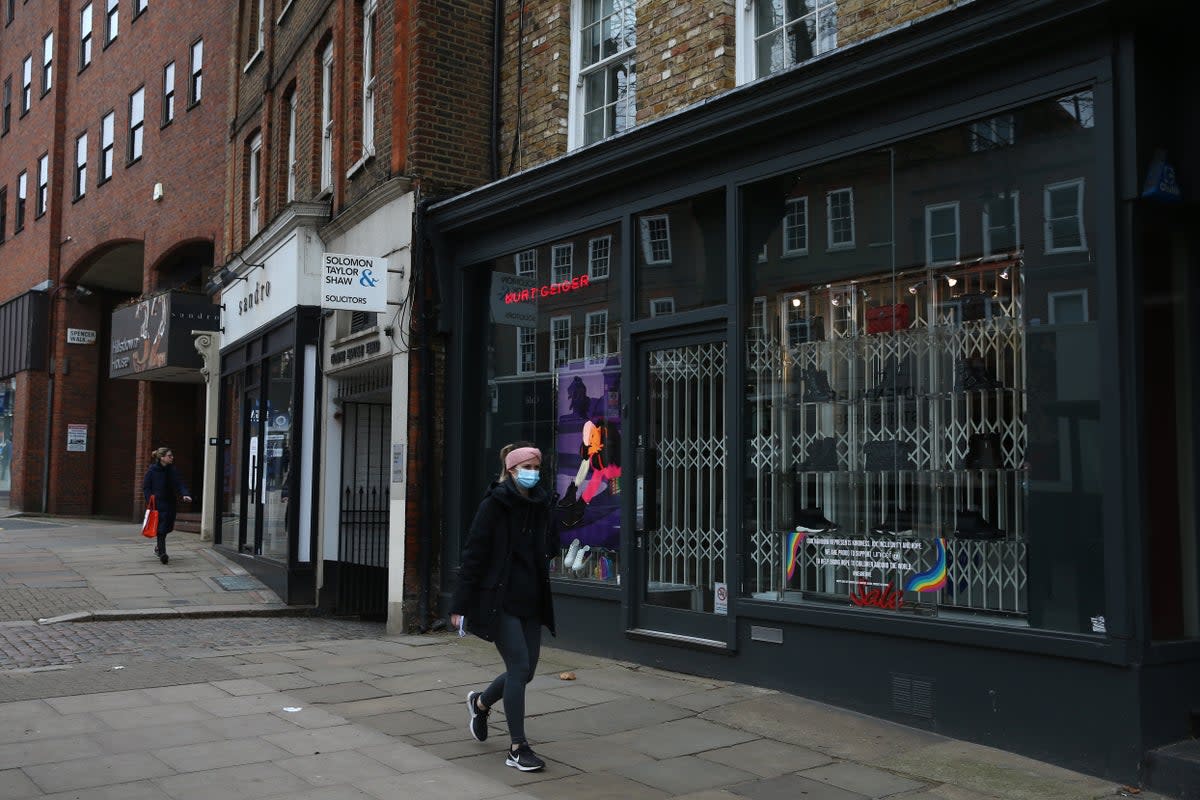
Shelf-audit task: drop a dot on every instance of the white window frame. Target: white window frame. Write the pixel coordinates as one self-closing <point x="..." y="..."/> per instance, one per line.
<point x="562" y="262"/>
<point x="596" y="344"/>
<point x="746" y="68"/>
<point x="848" y="191"/>
<point x="253" y="193"/>
<point x="1048" y="227"/>
<point x="168" y="101"/>
<point x="1053" y="298"/>
<point x="291" y="148"/>
<point x="26" y="84"/>
<point x="85" y="35"/>
<point x="196" y="81"/>
<point x="47" y="62"/>
<point x="662" y="306"/>
<point x="930" y="212"/>
<point x="139" y="6"/>
<point x="327" y="119"/>
<point x="1013" y="198"/>
<point x="560" y="342"/>
<point x="368" y="78"/>
<point x="108" y="128"/>
<point x="526" y="349"/>
<point x="260" y="40"/>
<point x="137" y="123"/>
<point x="576" y="127"/>
<point x="789" y="225"/>
<point x="81" y="146"/>
<point x="43" y="178"/>
<point x="599" y="258"/>
<point x="758" y="318"/>
<point x="22" y="197"/>
<point x="648" y="225"/>
<point x="112" y="22"/>
<point x="525" y="263"/>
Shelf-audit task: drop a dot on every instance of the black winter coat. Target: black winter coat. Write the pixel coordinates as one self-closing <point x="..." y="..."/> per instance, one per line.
<point x="164" y="484"/>
<point x="487" y="557"/>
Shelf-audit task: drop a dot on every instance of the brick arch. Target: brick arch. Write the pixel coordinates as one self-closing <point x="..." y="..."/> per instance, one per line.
<point x="184" y="264"/>
<point x="115" y="264"/>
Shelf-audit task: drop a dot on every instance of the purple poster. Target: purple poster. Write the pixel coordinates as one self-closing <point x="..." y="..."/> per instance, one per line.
<point x="589" y="453"/>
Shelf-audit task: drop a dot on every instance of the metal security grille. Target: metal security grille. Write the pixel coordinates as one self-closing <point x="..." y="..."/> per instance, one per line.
<point x="687" y="391"/>
<point x="363" y="515"/>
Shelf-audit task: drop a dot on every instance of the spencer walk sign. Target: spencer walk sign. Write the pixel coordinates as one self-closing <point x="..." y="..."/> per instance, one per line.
<point x="353" y="283"/>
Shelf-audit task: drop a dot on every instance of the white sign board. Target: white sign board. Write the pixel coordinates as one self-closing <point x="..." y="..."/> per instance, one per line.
<point x="76" y="438"/>
<point x="720" y="598"/>
<point x="510" y="304"/>
<point x="353" y="283"/>
<point x="80" y="336"/>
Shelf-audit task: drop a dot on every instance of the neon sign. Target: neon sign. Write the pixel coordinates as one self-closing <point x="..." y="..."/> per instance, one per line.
<point x="546" y="290"/>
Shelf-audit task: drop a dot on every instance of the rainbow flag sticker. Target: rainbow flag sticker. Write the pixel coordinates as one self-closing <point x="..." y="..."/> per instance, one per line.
<point x="933" y="579"/>
<point x="794" y="540"/>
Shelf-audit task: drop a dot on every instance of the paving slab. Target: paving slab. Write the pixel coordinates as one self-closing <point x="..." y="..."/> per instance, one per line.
<point x="596" y="786"/>
<point x="681" y="738"/>
<point x="767" y="758"/>
<point x="790" y="787"/>
<point x="862" y="779"/>
<point x="234" y="783"/>
<point x="223" y="753"/>
<point x="331" y="769"/>
<point x="85" y="773"/>
<point x="684" y="774"/>
<point x="444" y="783"/>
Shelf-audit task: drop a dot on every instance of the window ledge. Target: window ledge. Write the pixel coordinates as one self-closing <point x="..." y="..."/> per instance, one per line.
<point x="358" y="165"/>
<point x="368" y="332"/>
<point x="286" y="8"/>
<point x="254" y="59"/>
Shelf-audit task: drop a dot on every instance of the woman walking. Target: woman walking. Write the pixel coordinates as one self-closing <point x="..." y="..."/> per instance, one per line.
<point x="503" y="592"/>
<point x="163" y="484"/>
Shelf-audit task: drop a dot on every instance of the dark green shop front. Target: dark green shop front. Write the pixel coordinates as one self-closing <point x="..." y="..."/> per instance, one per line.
<point x="885" y="404"/>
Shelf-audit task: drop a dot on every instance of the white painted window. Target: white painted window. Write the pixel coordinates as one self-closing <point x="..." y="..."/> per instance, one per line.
<point x="260" y="35"/>
<point x="47" y="62"/>
<point x="603" y="70"/>
<point x="1068" y="308"/>
<point x="526" y="350"/>
<point x="291" y="147"/>
<point x="327" y="118"/>
<point x="795" y="227"/>
<point x="196" y="85"/>
<point x="839" y="213"/>
<point x="662" y="306"/>
<point x="774" y="35"/>
<point x="560" y="341"/>
<point x="525" y="263"/>
<point x="85" y="36"/>
<point x="596" y="340"/>
<point x="1002" y="223"/>
<point x="991" y="134"/>
<point x="81" y="144"/>
<point x="22" y="193"/>
<point x="368" y="78"/>
<point x="107" y="125"/>
<point x="656" y="238"/>
<point x="1064" y="217"/>
<point x="254" y="196"/>
<point x="139" y="6"/>
<point x="758" y="319"/>
<point x="941" y="233"/>
<point x="112" y="22"/>
<point x="137" y="122"/>
<point x="26" y="84"/>
<point x="43" y="178"/>
<point x="168" y="101"/>
<point x="562" y="257"/>
<point x="1081" y="107"/>
<point x="7" y="112"/>
<point x="599" y="257"/>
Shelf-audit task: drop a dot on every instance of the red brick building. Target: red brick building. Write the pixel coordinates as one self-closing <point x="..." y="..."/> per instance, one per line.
<point x="121" y="156"/>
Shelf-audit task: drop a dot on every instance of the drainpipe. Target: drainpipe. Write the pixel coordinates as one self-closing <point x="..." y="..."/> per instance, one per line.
<point x="497" y="49"/>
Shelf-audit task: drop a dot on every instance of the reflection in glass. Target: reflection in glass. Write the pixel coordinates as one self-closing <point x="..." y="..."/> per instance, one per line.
<point x="232" y="429"/>
<point x="791" y="32"/>
<point x="681" y="254"/>
<point x="7" y="395"/>
<point x="607" y="39"/>
<point x="277" y="456"/>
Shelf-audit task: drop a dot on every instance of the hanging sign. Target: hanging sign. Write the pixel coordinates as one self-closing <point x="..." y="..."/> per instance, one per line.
<point x="353" y="283"/>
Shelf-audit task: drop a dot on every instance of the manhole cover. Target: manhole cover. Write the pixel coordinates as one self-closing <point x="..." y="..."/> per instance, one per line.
<point x="239" y="583"/>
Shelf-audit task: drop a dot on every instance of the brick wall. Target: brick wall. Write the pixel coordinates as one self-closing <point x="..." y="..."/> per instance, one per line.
<point x="537" y="58"/>
<point x="686" y="53"/>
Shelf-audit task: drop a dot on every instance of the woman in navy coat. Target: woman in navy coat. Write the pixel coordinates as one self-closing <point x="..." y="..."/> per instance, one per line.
<point x="163" y="483"/>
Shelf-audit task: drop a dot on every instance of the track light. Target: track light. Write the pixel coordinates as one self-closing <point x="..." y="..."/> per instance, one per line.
<point x="951" y="281"/>
<point x="1004" y="273"/>
<point x="915" y="287"/>
<point x="795" y="302"/>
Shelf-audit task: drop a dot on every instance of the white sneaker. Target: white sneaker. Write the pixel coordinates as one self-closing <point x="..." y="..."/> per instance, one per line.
<point x="572" y="552"/>
<point x="581" y="557"/>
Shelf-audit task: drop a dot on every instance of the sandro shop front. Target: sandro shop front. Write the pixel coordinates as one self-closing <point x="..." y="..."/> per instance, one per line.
<point x="825" y="405"/>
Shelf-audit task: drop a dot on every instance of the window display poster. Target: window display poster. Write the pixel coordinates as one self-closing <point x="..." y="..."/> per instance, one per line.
<point x="77" y="436"/>
<point x="878" y="571"/>
<point x="589" y="452"/>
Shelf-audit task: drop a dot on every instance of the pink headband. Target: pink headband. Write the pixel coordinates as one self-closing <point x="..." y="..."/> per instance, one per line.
<point x="521" y="454"/>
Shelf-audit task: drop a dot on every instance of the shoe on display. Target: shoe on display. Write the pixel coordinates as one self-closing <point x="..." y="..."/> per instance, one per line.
<point x="568" y="499"/>
<point x="811" y="520"/>
<point x="972" y="525"/>
<point x="822" y="456"/>
<point x="888" y="455"/>
<point x="984" y="451"/>
<point x="973" y="375"/>
<point x="580" y="558"/>
<point x="898" y="523"/>
<point x="894" y="380"/>
<point x="572" y="551"/>
<point x="523" y="758"/>
<point x="816" y="386"/>
<point x="478" y="719"/>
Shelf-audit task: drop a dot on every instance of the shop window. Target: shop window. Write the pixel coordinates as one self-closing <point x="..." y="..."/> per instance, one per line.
<point x="681" y="253"/>
<point x="107" y="124"/>
<point x="781" y="35"/>
<point x="606" y="79"/>
<point x="1001" y="223"/>
<point x="1064" y="217"/>
<point x="567" y="401"/>
<point x="81" y="144"/>
<point x="526" y="263"/>
<point x="168" y="96"/>
<point x="85" y="36"/>
<point x="112" y="22"/>
<point x="599" y="252"/>
<point x="839" y="212"/>
<point x="277" y="455"/>
<point x="922" y="418"/>
<point x="795" y="228"/>
<point x="562" y="262"/>
<point x="941" y="233"/>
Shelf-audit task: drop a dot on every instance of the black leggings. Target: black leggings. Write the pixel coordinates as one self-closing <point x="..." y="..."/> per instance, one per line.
<point x="519" y="641"/>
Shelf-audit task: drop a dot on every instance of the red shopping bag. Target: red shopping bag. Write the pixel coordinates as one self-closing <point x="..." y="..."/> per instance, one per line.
<point x="150" y="521"/>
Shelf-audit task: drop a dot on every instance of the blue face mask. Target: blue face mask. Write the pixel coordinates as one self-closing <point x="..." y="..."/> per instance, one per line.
<point x="528" y="478"/>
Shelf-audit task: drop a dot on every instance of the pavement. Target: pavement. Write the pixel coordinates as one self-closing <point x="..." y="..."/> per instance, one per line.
<point x="154" y="700"/>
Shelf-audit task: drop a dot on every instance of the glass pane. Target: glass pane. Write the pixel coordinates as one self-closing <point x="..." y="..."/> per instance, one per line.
<point x="232" y="431"/>
<point x="253" y="469"/>
<point x="277" y="456"/>
<point x="562" y="391"/>
<point x="681" y="253"/>
<point x="768" y="15"/>
<point x="925" y="439"/>
<point x="7" y="395"/>
<point x="769" y="51"/>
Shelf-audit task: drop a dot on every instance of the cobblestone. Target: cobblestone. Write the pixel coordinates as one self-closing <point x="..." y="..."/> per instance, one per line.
<point x="31" y="604"/>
